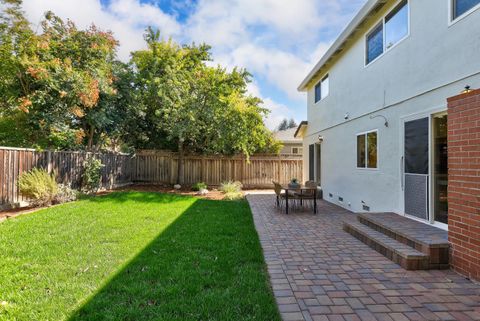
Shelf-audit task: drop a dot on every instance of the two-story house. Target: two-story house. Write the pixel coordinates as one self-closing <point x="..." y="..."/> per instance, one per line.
<point x="376" y="137"/>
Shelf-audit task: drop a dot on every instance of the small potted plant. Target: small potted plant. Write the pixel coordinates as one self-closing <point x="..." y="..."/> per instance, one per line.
<point x="294" y="183"/>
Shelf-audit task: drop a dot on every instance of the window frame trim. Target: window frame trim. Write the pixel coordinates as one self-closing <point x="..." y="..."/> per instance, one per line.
<point x="382" y="21"/>
<point x="451" y="7"/>
<point x="298" y="150"/>
<point x="365" y="133"/>
<point x="319" y="83"/>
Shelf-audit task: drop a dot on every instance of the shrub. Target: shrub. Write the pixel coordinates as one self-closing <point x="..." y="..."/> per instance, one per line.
<point x="92" y="174"/>
<point x="65" y="194"/>
<point x="231" y="187"/>
<point x="232" y="190"/>
<point x="233" y="196"/>
<point x="199" y="186"/>
<point x="39" y="186"/>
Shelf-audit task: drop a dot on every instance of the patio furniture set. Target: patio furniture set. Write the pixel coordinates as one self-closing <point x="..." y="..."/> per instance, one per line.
<point x="297" y="196"/>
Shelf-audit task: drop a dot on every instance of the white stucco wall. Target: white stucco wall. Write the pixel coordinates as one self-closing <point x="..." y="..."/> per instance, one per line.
<point x="434" y="62"/>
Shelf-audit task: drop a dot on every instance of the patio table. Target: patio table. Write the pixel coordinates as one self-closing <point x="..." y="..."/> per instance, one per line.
<point x="300" y="190"/>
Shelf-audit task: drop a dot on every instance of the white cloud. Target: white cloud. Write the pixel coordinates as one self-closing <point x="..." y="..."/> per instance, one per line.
<point x="278" y="111"/>
<point x="126" y="18"/>
<point x="284" y="50"/>
<point x="281" y="69"/>
<point x="228" y="23"/>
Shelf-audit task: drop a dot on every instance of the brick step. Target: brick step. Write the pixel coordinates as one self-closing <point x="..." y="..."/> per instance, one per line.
<point x="404" y="255"/>
<point x="427" y="239"/>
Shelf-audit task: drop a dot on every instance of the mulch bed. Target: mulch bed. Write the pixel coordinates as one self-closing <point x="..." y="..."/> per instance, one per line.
<point x="213" y="194"/>
<point x="16" y="212"/>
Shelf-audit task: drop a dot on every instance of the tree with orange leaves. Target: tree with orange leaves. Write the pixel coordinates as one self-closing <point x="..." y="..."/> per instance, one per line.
<point x="62" y="80"/>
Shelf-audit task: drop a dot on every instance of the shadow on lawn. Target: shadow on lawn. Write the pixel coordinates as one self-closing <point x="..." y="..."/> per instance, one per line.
<point x="207" y="265"/>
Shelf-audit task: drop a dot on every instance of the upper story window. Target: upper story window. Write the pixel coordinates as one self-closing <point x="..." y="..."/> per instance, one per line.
<point x="322" y="89"/>
<point x="461" y="7"/>
<point x="375" y="43"/>
<point x="391" y="30"/>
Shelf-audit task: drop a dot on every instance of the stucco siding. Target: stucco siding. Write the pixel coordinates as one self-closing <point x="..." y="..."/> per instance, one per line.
<point x="434" y="54"/>
<point x="380" y="188"/>
<point x="433" y="63"/>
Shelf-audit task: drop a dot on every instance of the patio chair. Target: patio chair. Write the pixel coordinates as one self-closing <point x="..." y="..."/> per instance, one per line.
<point x="310" y="195"/>
<point x="278" y="192"/>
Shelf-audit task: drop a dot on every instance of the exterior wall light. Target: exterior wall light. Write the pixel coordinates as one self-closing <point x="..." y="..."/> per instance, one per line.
<point x="320" y="138"/>
<point x="466" y="90"/>
<point x="386" y="120"/>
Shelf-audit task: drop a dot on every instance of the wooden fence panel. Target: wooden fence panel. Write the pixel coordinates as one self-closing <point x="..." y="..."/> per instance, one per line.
<point x="152" y="167"/>
<point x="66" y="166"/>
<point x="160" y="167"/>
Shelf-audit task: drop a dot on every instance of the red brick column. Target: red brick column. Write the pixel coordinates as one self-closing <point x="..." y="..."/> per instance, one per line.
<point x="464" y="183"/>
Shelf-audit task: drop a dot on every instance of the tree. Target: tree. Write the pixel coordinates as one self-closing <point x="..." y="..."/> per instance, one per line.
<point x="194" y="107"/>
<point x="287" y="124"/>
<point x="292" y="123"/>
<point x="63" y="79"/>
<point x="283" y="125"/>
<point x="63" y="88"/>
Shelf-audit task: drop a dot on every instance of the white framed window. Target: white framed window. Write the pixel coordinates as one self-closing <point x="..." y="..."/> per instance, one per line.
<point x="296" y="150"/>
<point x="367" y="150"/>
<point x="322" y="89"/>
<point x="462" y="8"/>
<point x="325" y="86"/>
<point x="393" y="28"/>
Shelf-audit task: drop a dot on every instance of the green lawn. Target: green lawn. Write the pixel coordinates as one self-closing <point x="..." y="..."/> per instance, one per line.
<point x="134" y="256"/>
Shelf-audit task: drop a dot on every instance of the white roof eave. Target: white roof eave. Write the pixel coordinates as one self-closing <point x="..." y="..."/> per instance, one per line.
<point x="365" y="12"/>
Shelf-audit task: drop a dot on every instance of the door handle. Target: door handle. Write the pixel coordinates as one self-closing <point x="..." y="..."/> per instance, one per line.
<point x="402" y="172"/>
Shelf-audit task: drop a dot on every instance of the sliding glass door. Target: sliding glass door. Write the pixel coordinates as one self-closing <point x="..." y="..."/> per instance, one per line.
<point x="440" y="168"/>
<point x="416" y="167"/>
<point x="425" y="168"/>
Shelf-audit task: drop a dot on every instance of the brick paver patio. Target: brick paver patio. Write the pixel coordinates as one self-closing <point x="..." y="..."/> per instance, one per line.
<point x="319" y="272"/>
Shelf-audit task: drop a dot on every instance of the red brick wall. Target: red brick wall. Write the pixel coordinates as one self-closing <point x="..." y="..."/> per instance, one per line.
<point x="464" y="183"/>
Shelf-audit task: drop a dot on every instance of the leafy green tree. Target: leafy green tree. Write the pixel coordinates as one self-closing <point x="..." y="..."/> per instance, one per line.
<point x="196" y="107"/>
<point x="63" y="88"/>
<point x="62" y="79"/>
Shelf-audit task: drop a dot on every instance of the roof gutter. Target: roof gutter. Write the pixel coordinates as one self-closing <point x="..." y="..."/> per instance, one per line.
<point x="302" y="125"/>
<point x="369" y="9"/>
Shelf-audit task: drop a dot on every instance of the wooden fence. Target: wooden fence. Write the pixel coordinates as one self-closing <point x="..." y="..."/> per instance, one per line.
<point x="157" y="167"/>
<point x="148" y="167"/>
<point x="67" y="167"/>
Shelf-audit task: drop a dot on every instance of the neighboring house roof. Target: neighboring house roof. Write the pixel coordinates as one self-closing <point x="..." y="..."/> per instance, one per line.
<point x="347" y="35"/>
<point x="287" y="136"/>
<point x="301" y="129"/>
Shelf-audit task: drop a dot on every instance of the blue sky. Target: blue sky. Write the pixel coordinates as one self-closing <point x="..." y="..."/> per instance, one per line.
<point x="278" y="41"/>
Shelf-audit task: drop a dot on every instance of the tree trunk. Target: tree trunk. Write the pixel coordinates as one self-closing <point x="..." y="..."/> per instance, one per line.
<point x="181" y="163"/>
<point x="90" y="137"/>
